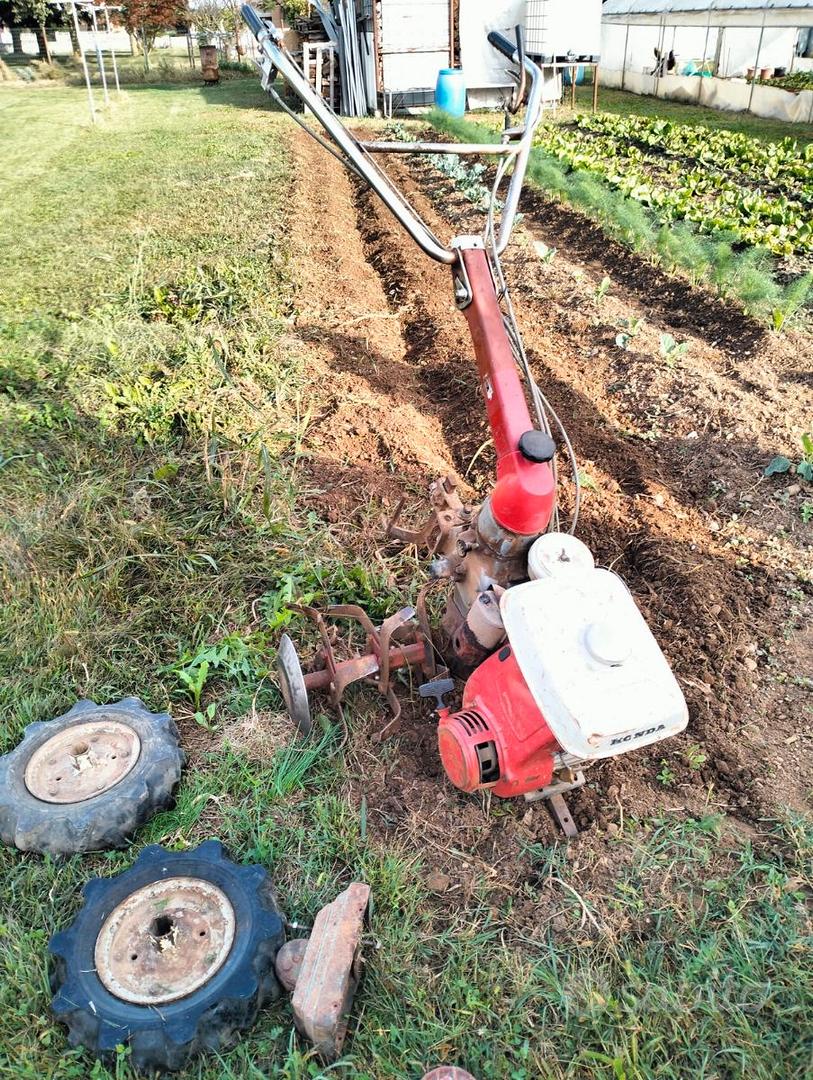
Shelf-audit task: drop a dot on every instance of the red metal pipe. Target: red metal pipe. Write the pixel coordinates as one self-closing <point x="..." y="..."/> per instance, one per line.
<point x="523" y="498"/>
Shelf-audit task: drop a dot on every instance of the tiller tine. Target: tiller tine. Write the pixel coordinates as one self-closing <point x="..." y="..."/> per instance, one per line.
<point x="449" y="512"/>
<point x="402" y="640"/>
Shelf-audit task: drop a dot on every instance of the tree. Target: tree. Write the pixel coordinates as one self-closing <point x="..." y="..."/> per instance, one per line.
<point x="147" y="18"/>
<point x="7" y="18"/>
<point x="34" y="13"/>
<point x="216" y="21"/>
<point x="207" y="18"/>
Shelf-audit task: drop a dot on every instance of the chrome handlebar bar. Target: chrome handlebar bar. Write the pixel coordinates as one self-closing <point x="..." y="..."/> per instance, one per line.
<point x="356" y="154"/>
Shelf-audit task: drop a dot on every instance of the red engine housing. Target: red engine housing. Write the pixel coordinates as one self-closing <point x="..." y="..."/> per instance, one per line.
<point x="499" y="739"/>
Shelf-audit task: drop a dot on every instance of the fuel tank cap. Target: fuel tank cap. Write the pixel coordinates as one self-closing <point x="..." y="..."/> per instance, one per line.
<point x="556" y="553"/>
<point x="607" y="642"/>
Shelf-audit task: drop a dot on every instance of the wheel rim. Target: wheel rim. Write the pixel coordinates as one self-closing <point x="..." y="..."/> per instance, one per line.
<point x="165" y="940"/>
<point x="82" y="761"/>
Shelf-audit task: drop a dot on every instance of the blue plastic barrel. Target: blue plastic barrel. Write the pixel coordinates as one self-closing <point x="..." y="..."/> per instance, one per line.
<point x="450" y="91"/>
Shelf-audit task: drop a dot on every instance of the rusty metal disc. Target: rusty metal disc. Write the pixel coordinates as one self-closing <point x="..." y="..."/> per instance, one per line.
<point x="288" y="963"/>
<point x="82" y="761"/>
<point x="165" y="940"/>
<point x="292" y="684"/>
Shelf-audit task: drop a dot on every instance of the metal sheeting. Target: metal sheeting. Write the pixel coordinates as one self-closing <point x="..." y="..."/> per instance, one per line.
<point x="414" y="43"/>
<point x="709" y="12"/>
<point x="344" y="24"/>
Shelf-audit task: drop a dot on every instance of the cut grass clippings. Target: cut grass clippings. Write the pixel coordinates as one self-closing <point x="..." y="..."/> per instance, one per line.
<point x="154" y="529"/>
<point x="713" y="261"/>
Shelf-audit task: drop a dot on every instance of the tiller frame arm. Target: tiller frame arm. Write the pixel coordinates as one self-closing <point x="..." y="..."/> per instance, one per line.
<point x="529" y="647"/>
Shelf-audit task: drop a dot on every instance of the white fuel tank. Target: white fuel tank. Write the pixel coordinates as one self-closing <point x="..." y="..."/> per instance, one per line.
<point x="591" y="663"/>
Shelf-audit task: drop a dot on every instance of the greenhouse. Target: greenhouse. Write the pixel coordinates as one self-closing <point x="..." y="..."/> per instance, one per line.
<point x="754" y="55"/>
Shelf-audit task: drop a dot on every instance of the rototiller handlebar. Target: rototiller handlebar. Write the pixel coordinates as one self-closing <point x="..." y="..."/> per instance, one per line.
<point x="357" y="153"/>
<point x="562" y="669"/>
<point x="522" y="502"/>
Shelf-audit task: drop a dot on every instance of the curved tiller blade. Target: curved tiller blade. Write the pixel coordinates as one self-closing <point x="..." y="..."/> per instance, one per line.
<point x="292" y="684"/>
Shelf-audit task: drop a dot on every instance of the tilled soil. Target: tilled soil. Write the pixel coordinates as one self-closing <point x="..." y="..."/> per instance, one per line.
<point x="671" y="451"/>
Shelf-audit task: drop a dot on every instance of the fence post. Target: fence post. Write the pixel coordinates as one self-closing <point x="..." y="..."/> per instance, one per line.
<point x="112" y="47"/>
<point x="99" y="57"/>
<point x="703" y="61"/>
<point x="756" y="62"/>
<point x="660" y="57"/>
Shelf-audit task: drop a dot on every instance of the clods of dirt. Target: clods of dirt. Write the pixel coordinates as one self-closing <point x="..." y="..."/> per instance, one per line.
<point x="670" y="451"/>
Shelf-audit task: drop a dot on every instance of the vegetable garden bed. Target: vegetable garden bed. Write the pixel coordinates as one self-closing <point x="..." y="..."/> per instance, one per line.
<point x="739" y="253"/>
<point x="796" y="81"/>
<point x="723" y="181"/>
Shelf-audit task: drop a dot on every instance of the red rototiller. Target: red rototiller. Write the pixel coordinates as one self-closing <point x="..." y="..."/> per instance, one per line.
<point x="561" y="667"/>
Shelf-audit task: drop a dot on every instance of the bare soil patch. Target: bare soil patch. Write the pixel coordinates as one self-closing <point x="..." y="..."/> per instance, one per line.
<point x="672" y="456"/>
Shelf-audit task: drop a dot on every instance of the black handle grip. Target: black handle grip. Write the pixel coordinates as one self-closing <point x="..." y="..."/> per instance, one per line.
<point x="520" y="32"/>
<point x="252" y="20"/>
<point x="502" y="44"/>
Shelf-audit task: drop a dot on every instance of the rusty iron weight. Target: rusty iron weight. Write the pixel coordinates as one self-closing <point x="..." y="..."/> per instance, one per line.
<point x="330" y="971"/>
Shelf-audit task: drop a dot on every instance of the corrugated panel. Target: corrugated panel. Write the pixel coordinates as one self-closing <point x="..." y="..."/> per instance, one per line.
<point x="673" y="7"/>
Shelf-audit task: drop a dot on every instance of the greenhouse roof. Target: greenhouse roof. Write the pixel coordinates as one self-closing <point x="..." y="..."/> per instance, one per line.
<point x="710" y="12"/>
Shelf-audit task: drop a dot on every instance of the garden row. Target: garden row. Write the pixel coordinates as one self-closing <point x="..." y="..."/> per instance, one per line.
<point x="722" y="181"/>
<point x="713" y="255"/>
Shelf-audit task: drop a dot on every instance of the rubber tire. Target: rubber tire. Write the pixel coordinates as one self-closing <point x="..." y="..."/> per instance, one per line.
<point x="108" y="819"/>
<point x="164" y="1038"/>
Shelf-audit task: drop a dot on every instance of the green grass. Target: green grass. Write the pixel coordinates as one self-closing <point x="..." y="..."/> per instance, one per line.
<point x="166" y="66"/>
<point x="152" y="533"/>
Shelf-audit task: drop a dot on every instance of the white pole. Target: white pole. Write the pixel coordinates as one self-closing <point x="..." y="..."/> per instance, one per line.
<point x="84" y="63"/>
<point x="660" y="56"/>
<point x="705" y="50"/>
<point x="624" y="63"/>
<point x="112" y="49"/>
<point x="756" y="62"/>
<point x="99" y="57"/>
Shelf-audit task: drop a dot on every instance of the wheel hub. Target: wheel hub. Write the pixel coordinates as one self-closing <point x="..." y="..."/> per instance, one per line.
<point x="82" y="761"/>
<point x="165" y="940"/>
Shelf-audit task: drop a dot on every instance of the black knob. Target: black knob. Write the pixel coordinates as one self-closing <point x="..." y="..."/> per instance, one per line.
<point x="536" y="446"/>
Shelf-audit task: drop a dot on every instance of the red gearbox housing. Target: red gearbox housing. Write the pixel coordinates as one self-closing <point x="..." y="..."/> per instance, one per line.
<point x="499" y="738"/>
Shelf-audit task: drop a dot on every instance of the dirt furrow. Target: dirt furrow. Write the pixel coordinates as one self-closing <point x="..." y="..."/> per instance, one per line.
<point x="650" y="440"/>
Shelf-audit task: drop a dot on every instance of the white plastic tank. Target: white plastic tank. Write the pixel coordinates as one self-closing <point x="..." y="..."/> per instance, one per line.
<point x="591" y="662"/>
<point x="557" y="553"/>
